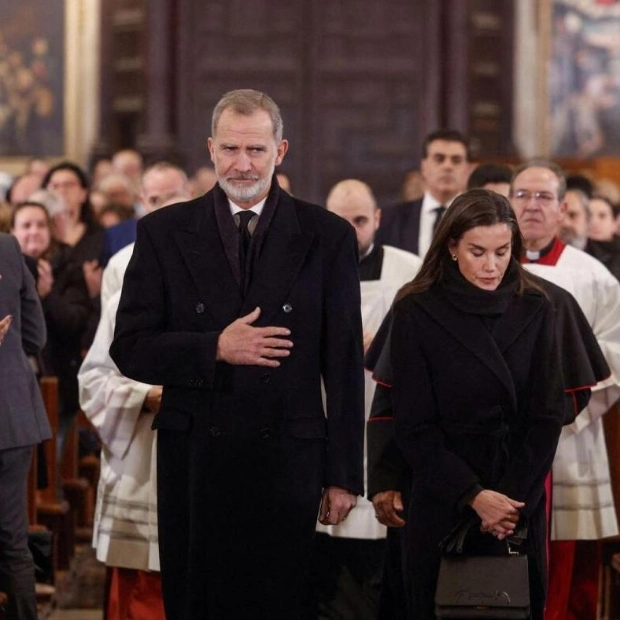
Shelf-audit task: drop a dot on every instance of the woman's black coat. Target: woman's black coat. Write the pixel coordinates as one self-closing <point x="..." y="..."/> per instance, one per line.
<point x="473" y="408"/>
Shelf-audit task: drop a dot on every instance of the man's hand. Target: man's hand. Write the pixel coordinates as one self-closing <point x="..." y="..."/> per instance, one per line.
<point x="336" y="505"/>
<point x="5" y="323"/>
<point x="244" y="345"/>
<point x="153" y="399"/>
<point x="388" y="508"/>
<point x="499" y="513"/>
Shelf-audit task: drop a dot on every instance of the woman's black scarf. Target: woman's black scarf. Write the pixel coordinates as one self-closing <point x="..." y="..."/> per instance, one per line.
<point x="474" y="300"/>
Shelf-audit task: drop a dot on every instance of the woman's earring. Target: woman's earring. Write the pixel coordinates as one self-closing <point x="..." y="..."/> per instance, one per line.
<point x="454" y="258"/>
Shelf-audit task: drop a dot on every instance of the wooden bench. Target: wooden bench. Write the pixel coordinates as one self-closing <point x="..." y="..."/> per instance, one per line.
<point x="52" y="512"/>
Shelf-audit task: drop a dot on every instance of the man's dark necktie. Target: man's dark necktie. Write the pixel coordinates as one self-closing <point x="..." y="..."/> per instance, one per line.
<point x="439" y="211"/>
<point x="244" y="243"/>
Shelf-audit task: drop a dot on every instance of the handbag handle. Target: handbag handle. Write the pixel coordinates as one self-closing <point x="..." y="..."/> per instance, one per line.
<point x="455" y="540"/>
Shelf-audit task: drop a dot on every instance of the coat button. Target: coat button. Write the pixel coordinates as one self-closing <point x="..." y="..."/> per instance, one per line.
<point x="200" y="307"/>
<point x="264" y="434"/>
<point x="215" y="431"/>
<point x="287" y="308"/>
<point x="265" y="377"/>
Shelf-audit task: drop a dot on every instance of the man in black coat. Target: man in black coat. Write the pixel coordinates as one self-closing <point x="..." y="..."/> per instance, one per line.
<point x="240" y="321"/>
<point x="445" y="168"/>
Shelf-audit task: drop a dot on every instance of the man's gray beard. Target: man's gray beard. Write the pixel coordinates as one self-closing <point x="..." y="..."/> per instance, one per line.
<point x="242" y="195"/>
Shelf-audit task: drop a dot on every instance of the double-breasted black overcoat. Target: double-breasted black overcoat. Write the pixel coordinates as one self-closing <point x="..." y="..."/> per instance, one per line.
<point x="244" y="451"/>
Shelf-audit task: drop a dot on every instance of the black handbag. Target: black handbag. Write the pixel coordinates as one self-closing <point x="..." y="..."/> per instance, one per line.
<point x="482" y="586"/>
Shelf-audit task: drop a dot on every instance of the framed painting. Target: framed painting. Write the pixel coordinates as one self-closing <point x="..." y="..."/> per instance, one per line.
<point x="583" y="78"/>
<point x="32" y="77"/>
<point x="49" y="80"/>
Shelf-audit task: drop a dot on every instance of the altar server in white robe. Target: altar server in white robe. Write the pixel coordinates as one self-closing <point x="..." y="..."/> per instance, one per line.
<point x="122" y="410"/>
<point x="583" y="509"/>
<point x="349" y="556"/>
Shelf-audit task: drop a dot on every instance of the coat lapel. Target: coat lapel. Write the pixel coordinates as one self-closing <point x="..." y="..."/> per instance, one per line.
<point x="517" y="318"/>
<point x="470" y="331"/>
<point x="203" y="251"/>
<point x="283" y="251"/>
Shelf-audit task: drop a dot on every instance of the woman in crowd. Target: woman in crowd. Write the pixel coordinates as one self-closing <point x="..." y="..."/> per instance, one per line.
<point x="67" y="305"/>
<point x="478" y="399"/>
<point x="77" y="229"/>
<point x="603" y="243"/>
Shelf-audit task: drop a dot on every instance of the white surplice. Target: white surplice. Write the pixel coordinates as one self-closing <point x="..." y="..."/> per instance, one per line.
<point x="125" y="527"/>
<point x="399" y="267"/>
<point x="583" y="505"/>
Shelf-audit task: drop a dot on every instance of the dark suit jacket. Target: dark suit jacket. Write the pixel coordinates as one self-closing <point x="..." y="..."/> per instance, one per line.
<point x="243" y="450"/>
<point x="400" y="226"/>
<point x="23" y="420"/>
<point x="474" y="410"/>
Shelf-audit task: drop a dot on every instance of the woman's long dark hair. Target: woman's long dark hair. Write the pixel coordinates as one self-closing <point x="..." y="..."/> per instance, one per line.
<point x="477" y="207"/>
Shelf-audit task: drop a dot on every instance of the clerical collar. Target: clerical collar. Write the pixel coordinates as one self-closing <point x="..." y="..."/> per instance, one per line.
<point x="533" y="256"/>
<point x="367" y="253"/>
<point x="257" y="208"/>
<point x="549" y="255"/>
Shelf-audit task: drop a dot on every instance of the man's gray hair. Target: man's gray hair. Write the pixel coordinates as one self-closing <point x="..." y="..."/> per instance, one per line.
<point x="540" y="162"/>
<point x="247" y="101"/>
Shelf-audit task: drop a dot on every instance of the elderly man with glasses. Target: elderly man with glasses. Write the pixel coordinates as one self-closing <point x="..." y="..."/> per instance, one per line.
<point x="583" y="509"/>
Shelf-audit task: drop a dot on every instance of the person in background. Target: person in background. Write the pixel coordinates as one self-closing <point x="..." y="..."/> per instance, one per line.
<point x="161" y="183"/>
<point x="203" y="181"/>
<point x="122" y="412"/>
<point x="100" y="170"/>
<point x="495" y="177"/>
<point x="413" y="186"/>
<point x="583" y="509"/>
<point x="65" y="301"/>
<point x="348" y="558"/>
<point x="113" y="215"/>
<point x="119" y="190"/>
<point x="77" y="229"/>
<point x="129" y="163"/>
<point x="445" y="168"/>
<point x="576" y="219"/>
<point x="98" y="200"/>
<point x="284" y="182"/>
<point x="23" y="421"/>
<point x="603" y="243"/>
<point x="38" y="166"/>
<point x="22" y="187"/>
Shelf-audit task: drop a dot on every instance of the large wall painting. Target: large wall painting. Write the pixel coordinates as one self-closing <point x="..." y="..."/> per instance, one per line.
<point x="32" y="78"/>
<point x="583" y="79"/>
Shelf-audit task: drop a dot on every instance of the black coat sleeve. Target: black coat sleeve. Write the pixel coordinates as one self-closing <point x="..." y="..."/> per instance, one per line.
<point x="342" y="367"/>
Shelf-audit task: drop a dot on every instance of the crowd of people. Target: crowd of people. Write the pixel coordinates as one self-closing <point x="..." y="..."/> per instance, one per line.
<point x="235" y="319"/>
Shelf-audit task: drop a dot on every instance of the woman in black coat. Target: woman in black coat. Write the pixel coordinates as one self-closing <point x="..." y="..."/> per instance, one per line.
<point x="478" y="400"/>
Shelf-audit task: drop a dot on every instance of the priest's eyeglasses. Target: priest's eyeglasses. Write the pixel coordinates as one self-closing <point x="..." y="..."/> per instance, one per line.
<point x="524" y="195"/>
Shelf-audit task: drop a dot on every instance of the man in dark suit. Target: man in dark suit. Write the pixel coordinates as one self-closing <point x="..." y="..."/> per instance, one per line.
<point x="240" y="321"/>
<point x="23" y="423"/>
<point x="445" y="167"/>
